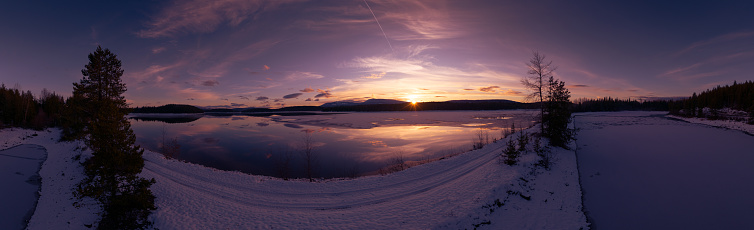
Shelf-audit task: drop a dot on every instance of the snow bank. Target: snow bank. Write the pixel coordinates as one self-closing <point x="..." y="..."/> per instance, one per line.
<point x="728" y="124"/>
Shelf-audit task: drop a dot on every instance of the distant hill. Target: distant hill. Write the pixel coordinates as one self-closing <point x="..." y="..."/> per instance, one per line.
<point x="367" y="102"/>
<point x="425" y="106"/>
<point x="169" y="108"/>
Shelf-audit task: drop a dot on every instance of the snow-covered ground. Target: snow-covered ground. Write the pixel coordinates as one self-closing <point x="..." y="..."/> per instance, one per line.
<point x="641" y="170"/>
<point x="466" y="191"/>
<point x="729" y="124"/>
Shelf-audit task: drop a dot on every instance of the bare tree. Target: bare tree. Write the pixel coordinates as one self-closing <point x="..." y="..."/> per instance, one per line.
<point x="536" y="81"/>
<point x="309" y="157"/>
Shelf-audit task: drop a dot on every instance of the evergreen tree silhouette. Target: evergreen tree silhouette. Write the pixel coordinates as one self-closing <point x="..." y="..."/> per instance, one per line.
<point x="112" y="171"/>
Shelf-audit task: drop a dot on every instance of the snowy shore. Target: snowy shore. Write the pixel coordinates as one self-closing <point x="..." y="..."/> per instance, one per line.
<point x="466" y="191"/>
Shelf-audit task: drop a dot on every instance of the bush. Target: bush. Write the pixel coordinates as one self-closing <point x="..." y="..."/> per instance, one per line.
<point x="510" y="153"/>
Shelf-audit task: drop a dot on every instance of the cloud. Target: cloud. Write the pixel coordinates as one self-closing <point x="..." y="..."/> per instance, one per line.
<point x="298" y="75"/>
<point x="323" y="93"/>
<point x="489" y="89"/>
<point x="237" y="105"/>
<point x="375" y="76"/>
<point x="511" y="92"/>
<point x="210" y="83"/>
<point x="579" y="86"/>
<point x="308" y="99"/>
<point x="291" y="96"/>
<point x="718" y="39"/>
<point x="307" y="90"/>
<point x="224" y="99"/>
<point x="190" y="99"/>
<point x="243" y="97"/>
<point x="198" y="16"/>
<point x="265" y="67"/>
<point x="262" y="98"/>
<point x="195" y="94"/>
<point x="157" y="50"/>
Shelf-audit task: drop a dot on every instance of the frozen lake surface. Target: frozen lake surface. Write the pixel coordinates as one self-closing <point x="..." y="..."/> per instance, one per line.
<point x="19" y="170"/>
<point x="640" y="170"/>
<point x="345" y="144"/>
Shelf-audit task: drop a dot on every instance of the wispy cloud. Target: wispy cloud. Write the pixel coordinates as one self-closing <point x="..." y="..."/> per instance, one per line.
<point x="199" y="16"/>
<point x="489" y="89"/>
<point x="299" y="75"/>
<point x="719" y="39"/>
<point x="210" y="83"/>
<point x="375" y="76"/>
<point x="307" y="90"/>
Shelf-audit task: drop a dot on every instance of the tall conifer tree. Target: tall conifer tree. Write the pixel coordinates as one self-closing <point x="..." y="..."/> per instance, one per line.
<point x="112" y="171"/>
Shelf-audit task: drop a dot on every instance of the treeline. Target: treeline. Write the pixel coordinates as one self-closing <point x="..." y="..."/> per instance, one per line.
<point x="425" y="106"/>
<point x="708" y="104"/>
<point x="22" y="109"/>
<point x="169" y="108"/>
<point x="609" y="104"/>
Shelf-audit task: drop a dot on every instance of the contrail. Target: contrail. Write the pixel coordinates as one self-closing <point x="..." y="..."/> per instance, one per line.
<point x="378" y="24"/>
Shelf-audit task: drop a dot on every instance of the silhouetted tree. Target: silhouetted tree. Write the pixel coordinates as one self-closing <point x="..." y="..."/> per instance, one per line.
<point x="557" y="113"/>
<point x="310" y="158"/>
<point x="112" y="171"/>
<point x="539" y="71"/>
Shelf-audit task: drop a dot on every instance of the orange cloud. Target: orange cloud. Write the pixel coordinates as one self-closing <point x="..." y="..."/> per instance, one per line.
<point x="265" y="67"/>
<point x="490" y="89"/>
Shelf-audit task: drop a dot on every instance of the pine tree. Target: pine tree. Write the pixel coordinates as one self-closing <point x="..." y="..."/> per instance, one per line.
<point x="558" y="113"/>
<point x="112" y="171"/>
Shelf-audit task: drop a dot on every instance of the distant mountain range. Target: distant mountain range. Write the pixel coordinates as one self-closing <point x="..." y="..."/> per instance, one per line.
<point x="368" y="105"/>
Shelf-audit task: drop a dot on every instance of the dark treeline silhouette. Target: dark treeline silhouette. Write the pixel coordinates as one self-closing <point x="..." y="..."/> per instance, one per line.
<point x="169" y="108"/>
<point x="425" y="106"/>
<point x="169" y="120"/>
<point x="739" y="96"/>
<point x="290" y="108"/>
<point x="608" y="104"/>
<point x="21" y="109"/>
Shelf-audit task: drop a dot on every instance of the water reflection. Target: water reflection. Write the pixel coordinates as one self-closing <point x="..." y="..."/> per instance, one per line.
<point x="273" y="146"/>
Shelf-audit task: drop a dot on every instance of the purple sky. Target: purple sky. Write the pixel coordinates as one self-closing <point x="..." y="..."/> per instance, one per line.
<point x="246" y="53"/>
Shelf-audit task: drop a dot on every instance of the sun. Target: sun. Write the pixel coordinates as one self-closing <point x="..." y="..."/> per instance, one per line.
<point x="412" y="100"/>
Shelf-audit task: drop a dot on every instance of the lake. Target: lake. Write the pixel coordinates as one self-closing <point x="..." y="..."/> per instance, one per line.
<point x="344" y="144"/>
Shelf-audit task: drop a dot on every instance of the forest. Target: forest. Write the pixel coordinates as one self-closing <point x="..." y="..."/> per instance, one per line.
<point x="730" y="102"/>
<point x="22" y="109"/>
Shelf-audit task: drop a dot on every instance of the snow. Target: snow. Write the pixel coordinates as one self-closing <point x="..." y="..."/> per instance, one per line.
<point x="728" y="124"/>
<point x="641" y="170"/>
<point x="465" y="191"/>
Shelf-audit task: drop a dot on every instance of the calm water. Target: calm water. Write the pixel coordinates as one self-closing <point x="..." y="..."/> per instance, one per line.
<point x="261" y="145"/>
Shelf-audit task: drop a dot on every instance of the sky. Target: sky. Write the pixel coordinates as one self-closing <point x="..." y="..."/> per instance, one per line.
<point x="252" y="53"/>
